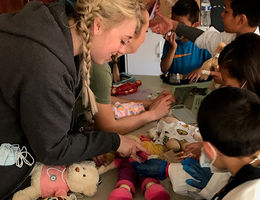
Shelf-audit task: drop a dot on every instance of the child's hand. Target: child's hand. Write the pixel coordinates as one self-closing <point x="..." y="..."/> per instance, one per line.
<point x="194" y="149"/>
<point x="217" y="77"/>
<point x="194" y="75"/>
<point x="171" y="39"/>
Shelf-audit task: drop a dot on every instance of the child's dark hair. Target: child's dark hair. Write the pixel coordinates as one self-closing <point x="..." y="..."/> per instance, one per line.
<point x="188" y="8"/>
<point x="229" y="118"/>
<point x="248" y="7"/>
<point x="241" y="58"/>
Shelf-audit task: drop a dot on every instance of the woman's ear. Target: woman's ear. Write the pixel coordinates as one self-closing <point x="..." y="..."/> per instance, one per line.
<point x="98" y="26"/>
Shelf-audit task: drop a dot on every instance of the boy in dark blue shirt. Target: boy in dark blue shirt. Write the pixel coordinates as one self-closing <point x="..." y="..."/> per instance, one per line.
<point x="181" y="55"/>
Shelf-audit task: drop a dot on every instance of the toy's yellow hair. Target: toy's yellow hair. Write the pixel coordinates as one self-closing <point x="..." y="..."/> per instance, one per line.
<point x="154" y="149"/>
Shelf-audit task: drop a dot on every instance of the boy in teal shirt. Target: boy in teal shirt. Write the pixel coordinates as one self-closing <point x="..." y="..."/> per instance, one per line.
<point x="181" y="55"/>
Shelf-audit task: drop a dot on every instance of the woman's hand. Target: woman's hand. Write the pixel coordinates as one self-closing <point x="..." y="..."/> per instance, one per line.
<point x="161" y="107"/>
<point x="164" y="93"/>
<point x="148" y="103"/>
<point x="129" y="147"/>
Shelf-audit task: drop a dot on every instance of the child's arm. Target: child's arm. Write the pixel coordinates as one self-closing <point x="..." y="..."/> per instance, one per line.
<point x="168" y="59"/>
<point x="209" y="39"/>
<point x="146" y="102"/>
<point x="105" y="118"/>
<point x="204" y="40"/>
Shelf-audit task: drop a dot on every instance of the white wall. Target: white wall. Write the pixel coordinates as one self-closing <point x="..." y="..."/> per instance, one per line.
<point x="146" y="61"/>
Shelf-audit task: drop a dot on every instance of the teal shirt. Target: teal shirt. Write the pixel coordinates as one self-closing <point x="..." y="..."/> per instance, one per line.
<point x="187" y="58"/>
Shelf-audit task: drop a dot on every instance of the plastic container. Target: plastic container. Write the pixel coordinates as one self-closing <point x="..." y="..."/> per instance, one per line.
<point x="205" y="13"/>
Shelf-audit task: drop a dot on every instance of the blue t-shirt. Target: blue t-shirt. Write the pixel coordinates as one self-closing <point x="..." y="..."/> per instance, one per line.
<point x="187" y="58"/>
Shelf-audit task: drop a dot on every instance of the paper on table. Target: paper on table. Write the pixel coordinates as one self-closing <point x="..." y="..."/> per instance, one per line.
<point x="184" y="114"/>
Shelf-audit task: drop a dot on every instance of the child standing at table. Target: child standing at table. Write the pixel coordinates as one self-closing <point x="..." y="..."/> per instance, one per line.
<point x="181" y="55"/>
<point x="239" y="17"/>
<point x="225" y="115"/>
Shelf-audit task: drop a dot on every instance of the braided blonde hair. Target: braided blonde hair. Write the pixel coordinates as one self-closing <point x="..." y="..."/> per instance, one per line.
<point x="111" y="12"/>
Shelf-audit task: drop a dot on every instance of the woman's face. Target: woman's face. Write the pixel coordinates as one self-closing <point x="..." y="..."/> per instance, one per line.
<point x="228" y="80"/>
<point x="138" y="40"/>
<point x="108" y="42"/>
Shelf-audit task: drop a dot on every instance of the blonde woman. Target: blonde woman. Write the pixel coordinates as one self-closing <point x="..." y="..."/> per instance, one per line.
<point x="39" y="82"/>
<point x="101" y="84"/>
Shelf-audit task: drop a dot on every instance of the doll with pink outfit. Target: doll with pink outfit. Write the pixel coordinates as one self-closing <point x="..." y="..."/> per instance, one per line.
<point x="127" y="177"/>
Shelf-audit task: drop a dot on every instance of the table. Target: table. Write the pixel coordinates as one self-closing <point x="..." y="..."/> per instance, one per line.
<point x="155" y="84"/>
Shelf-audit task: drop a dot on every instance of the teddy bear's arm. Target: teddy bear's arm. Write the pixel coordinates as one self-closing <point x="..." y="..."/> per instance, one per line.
<point x="28" y="193"/>
<point x="103" y="169"/>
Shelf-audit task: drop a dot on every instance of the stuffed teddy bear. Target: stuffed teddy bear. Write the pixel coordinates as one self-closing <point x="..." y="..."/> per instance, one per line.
<point x="175" y="135"/>
<point x="212" y="63"/>
<point x="51" y="181"/>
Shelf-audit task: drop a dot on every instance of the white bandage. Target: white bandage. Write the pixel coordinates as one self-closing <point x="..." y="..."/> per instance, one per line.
<point x="205" y="72"/>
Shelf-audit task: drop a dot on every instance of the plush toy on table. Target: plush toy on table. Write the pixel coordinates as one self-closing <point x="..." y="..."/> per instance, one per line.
<point x="125" y="88"/>
<point x="125" y="187"/>
<point x="176" y="136"/>
<point x="170" y="135"/>
<point x="127" y="178"/>
<point x="212" y="63"/>
<point x="57" y="181"/>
